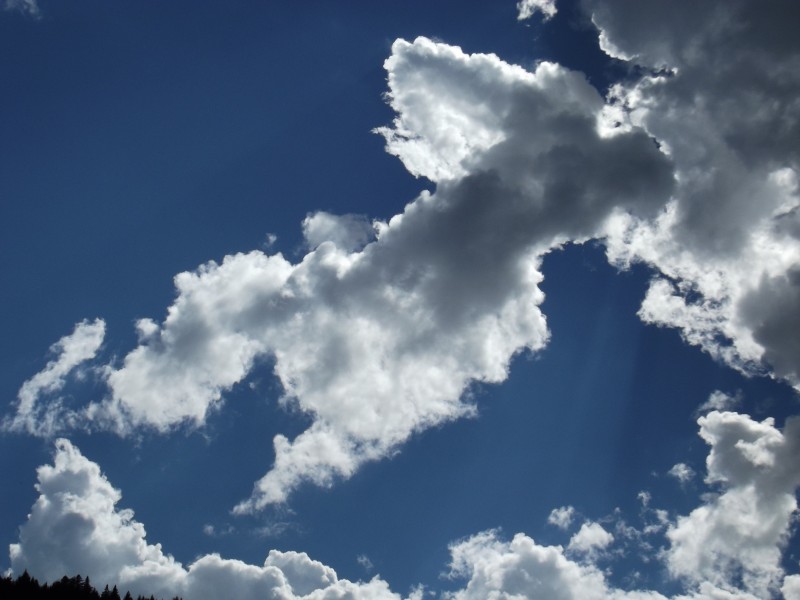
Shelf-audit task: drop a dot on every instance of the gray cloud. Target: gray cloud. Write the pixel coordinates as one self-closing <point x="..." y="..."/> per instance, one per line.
<point x="773" y="310"/>
<point x="725" y="109"/>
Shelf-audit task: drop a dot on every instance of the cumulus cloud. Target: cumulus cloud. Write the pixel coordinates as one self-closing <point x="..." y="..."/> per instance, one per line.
<point x="40" y="410"/>
<point x="723" y="105"/>
<point x="380" y="330"/>
<point x="455" y="275"/>
<point x="791" y="587"/>
<point x="522" y="568"/>
<point x="561" y="517"/>
<point x="728" y="547"/>
<point x="76" y="527"/>
<point x="735" y="540"/>
<point x="590" y="539"/>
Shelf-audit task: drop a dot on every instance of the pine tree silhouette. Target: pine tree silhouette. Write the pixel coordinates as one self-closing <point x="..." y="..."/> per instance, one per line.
<point x="26" y="587"/>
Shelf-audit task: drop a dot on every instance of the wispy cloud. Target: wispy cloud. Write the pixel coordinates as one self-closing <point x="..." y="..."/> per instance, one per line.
<point x="28" y="7"/>
<point x="39" y="409"/>
<point x="682" y="472"/>
<point x="718" y="400"/>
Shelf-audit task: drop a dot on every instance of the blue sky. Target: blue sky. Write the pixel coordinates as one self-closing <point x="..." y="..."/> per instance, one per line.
<point x="508" y="307"/>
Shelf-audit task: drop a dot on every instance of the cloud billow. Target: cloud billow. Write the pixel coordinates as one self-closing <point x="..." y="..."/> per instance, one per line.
<point x="75" y="527"/>
<point x="379" y="331"/>
<point x="376" y="340"/>
<point x="723" y="105"/>
<point x="730" y="546"/>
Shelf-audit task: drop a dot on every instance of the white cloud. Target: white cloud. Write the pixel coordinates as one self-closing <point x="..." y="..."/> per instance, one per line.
<point x="379" y="338"/>
<point x="455" y="275"/>
<point x="735" y="539"/>
<point x="527" y="8"/>
<point x="378" y="341"/>
<point x="40" y="409"/>
<point x="561" y="517"/>
<point x="522" y="568"/>
<point x="791" y="587"/>
<point x="728" y="547"/>
<point x="75" y="527"/>
<point x="590" y="539"/>
<point x="682" y="472"/>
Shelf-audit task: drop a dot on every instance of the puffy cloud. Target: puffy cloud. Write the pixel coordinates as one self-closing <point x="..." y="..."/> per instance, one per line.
<point x="39" y="409"/>
<point x="207" y="343"/>
<point x="734" y="541"/>
<point x="590" y="539"/>
<point x="522" y="568"/>
<point x="728" y="547"/>
<point x="561" y="517"/>
<point x="75" y="527"/>
<point x="529" y="134"/>
<point x="724" y="107"/>
<point x="527" y="8"/>
<point x="378" y="339"/>
<point x="682" y="472"/>
<point x="791" y="587"/>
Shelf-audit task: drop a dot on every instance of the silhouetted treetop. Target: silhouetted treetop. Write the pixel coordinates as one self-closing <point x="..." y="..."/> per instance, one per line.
<point x="26" y="587"/>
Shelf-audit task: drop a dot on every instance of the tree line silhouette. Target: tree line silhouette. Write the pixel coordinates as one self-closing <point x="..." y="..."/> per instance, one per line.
<point x="67" y="588"/>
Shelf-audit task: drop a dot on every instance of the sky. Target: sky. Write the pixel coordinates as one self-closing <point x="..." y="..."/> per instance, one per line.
<point x="385" y="300"/>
